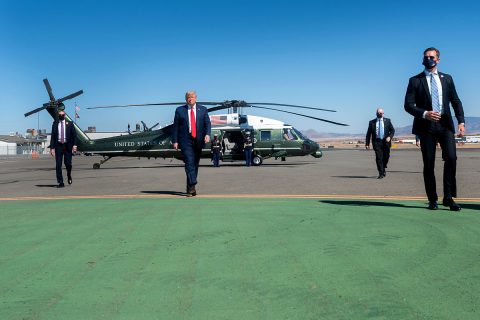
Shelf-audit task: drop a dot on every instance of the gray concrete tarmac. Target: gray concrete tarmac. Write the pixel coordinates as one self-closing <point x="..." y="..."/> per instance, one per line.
<point x="338" y="172"/>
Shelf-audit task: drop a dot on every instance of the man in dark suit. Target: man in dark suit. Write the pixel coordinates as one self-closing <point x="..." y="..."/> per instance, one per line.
<point x="62" y="144"/>
<point x="380" y="131"/>
<point x="191" y="130"/>
<point x="428" y="98"/>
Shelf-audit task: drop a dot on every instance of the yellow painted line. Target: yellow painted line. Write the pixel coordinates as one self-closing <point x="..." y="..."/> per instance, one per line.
<point x="232" y="196"/>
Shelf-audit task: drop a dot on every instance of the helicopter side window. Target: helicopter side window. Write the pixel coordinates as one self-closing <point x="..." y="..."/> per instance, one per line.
<point x="288" y="134"/>
<point x="265" y="135"/>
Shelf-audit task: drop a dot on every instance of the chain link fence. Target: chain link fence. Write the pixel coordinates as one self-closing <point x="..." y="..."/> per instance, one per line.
<point x="22" y="151"/>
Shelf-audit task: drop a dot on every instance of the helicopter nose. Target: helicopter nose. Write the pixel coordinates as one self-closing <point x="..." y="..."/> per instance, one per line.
<point x="316" y="150"/>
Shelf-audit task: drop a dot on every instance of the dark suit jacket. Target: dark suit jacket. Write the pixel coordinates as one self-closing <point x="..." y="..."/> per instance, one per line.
<point x="388" y="130"/>
<point x="418" y="100"/>
<point x="180" y="132"/>
<point x="70" y="135"/>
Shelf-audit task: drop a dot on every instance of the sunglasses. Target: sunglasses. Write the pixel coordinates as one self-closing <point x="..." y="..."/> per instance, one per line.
<point x="429" y="57"/>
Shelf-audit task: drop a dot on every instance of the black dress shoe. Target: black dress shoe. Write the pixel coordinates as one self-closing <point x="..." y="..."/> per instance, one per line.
<point x="60" y="185"/>
<point x="380" y="176"/>
<point x="194" y="192"/>
<point x="432" y="205"/>
<point x="448" y="202"/>
<point x="70" y="181"/>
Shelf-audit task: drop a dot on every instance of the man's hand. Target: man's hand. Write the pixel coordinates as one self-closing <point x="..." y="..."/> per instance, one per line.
<point x="52" y="152"/>
<point x="433" y="116"/>
<point x="367" y="146"/>
<point x="74" y="149"/>
<point x="175" y="146"/>
<point x="461" y="130"/>
<point x="207" y="139"/>
<point x="388" y="139"/>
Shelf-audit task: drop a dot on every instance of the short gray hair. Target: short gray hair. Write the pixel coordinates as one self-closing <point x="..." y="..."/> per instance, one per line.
<point x="189" y="92"/>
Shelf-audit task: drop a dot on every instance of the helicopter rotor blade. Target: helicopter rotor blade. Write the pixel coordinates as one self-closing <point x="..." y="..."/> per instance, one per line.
<point x="35" y="111"/>
<point x="154" y="126"/>
<point x="302" y="115"/>
<point x="221" y="107"/>
<point x="290" y="105"/>
<point x="140" y="105"/>
<point x="49" y="89"/>
<point x="209" y="103"/>
<point x="70" y="96"/>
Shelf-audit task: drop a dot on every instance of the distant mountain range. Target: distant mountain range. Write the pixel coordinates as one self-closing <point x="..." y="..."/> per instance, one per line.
<point x="472" y="124"/>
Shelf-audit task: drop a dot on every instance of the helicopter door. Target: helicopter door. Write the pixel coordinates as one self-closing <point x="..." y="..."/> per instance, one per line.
<point x="232" y="145"/>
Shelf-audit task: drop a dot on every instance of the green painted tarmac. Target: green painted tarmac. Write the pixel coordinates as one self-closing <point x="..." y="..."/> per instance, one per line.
<point x="237" y="259"/>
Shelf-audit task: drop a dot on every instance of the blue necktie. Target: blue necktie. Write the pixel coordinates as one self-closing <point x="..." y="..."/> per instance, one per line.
<point x="380" y="126"/>
<point x="435" y="98"/>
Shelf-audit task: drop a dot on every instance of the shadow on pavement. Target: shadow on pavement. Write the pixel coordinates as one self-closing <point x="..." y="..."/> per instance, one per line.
<point x="355" y="177"/>
<point x="46" y="185"/>
<point x="402" y="171"/>
<point x="8" y="182"/>
<point x="173" y="193"/>
<point x="471" y="206"/>
<point x="369" y="204"/>
<point x="106" y="167"/>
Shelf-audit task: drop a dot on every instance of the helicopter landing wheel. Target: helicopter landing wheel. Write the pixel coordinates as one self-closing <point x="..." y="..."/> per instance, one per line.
<point x="257" y="160"/>
<point x="96" y="166"/>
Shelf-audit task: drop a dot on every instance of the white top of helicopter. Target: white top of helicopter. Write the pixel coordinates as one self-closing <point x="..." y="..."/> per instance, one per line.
<point x="253" y="122"/>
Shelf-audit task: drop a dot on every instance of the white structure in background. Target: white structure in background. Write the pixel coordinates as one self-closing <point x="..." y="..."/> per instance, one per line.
<point x="472" y="139"/>
<point x="8" y="148"/>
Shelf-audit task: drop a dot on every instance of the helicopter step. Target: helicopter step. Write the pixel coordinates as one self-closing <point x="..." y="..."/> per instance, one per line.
<point x="97" y="165"/>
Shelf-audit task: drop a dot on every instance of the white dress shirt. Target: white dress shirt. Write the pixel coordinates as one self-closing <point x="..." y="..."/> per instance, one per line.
<point x="439" y="85"/>
<point x="64" y="131"/>
<point x="377" y="128"/>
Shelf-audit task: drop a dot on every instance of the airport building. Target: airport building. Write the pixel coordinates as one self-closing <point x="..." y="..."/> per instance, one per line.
<point x="14" y="144"/>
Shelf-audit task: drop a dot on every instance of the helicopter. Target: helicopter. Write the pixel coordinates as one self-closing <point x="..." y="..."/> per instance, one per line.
<point x="271" y="138"/>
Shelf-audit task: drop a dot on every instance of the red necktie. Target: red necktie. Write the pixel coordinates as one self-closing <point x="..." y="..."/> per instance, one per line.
<point x="62" y="133"/>
<point x="193" y="123"/>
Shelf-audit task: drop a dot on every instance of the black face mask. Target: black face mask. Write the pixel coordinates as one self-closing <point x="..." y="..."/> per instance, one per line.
<point x="61" y="118"/>
<point x="379" y="115"/>
<point x="428" y="63"/>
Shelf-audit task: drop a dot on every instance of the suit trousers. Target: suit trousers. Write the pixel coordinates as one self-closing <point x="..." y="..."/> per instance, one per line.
<point x="439" y="133"/>
<point x="63" y="153"/>
<point x="248" y="156"/>
<point x="216" y="158"/>
<point x="191" y="152"/>
<point x="382" y="154"/>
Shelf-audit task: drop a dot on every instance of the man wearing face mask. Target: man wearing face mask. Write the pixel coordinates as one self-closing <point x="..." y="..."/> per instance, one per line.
<point x="428" y="98"/>
<point x="62" y="144"/>
<point x="380" y="131"/>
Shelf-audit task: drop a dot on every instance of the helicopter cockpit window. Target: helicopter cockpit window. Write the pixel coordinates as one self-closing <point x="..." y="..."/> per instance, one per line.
<point x="265" y="135"/>
<point x="299" y="134"/>
<point x="289" y="134"/>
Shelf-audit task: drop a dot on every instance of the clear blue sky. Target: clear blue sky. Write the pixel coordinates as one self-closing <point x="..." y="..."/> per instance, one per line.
<point x="352" y="56"/>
